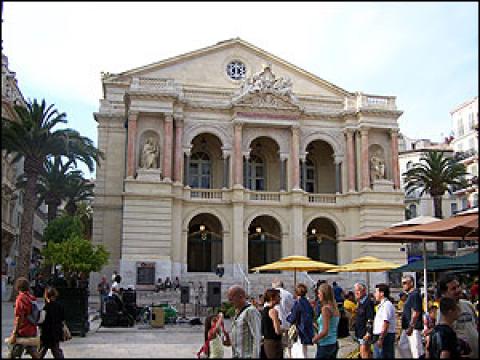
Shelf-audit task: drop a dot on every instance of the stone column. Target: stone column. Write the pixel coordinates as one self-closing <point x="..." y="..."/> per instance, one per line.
<point x="226" y="158"/>
<point x="177" y="174"/>
<point x="132" y="136"/>
<point x="364" y="159"/>
<point x="295" y="166"/>
<point x="246" y="169"/>
<point x="188" y="154"/>
<point x="350" y="160"/>
<point x="303" y="168"/>
<point x="395" y="169"/>
<point x="237" y="155"/>
<point x="338" y="175"/>
<point x="167" y="148"/>
<point x="283" y="172"/>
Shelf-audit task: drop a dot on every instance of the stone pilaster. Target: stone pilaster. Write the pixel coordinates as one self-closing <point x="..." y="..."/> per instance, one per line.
<point x="338" y="175"/>
<point x="167" y="148"/>
<point x="350" y="160"/>
<point x="237" y="155"/>
<point x="132" y="136"/>
<point x="395" y="165"/>
<point x="178" y="163"/>
<point x="295" y="165"/>
<point x="226" y="161"/>
<point x="283" y="172"/>
<point x="364" y="159"/>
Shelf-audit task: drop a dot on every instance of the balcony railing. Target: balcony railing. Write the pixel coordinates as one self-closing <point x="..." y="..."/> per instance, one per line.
<point x="207" y="194"/>
<point x="375" y="102"/>
<point x="264" y="196"/>
<point x="322" y="199"/>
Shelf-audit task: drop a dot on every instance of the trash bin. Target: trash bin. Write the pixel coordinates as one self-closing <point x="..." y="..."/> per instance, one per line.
<point x="158" y="317"/>
<point x="75" y="304"/>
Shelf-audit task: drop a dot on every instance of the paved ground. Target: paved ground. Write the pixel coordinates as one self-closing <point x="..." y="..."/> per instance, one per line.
<point x="172" y="341"/>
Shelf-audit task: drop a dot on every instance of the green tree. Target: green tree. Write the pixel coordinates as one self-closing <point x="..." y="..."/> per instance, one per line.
<point x="62" y="228"/>
<point x="435" y="174"/>
<point x="78" y="190"/>
<point x="75" y="255"/>
<point x="85" y="214"/>
<point x="31" y="136"/>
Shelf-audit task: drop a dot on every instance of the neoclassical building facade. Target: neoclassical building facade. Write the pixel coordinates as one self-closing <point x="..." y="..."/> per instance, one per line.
<point x="231" y="156"/>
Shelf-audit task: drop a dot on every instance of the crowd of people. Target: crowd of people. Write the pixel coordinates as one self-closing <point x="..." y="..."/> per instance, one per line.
<point x="279" y="324"/>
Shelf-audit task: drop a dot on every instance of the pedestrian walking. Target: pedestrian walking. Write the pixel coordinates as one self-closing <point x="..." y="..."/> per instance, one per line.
<point x="271" y="330"/>
<point x="246" y="325"/>
<point x="215" y="337"/>
<point x="350" y="307"/>
<point x="410" y="342"/>
<point x="339" y="294"/>
<point x="384" y="325"/>
<point x="284" y="308"/>
<point x="22" y="326"/>
<point x="51" y="329"/>
<point x="443" y="341"/>
<point x="103" y="289"/>
<point x="365" y="314"/>
<point x="326" y="339"/>
<point x="302" y="317"/>
<point x="465" y="326"/>
<point x="176" y="283"/>
<point x="168" y="283"/>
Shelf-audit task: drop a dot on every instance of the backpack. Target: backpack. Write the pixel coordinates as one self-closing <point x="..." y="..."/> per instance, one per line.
<point x="34" y="316"/>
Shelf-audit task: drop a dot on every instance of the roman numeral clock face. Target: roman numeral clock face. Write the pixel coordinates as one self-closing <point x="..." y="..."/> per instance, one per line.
<point x="236" y="70"/>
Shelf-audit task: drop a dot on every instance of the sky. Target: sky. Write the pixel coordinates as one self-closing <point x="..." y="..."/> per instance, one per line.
<point x="424" y="53"/>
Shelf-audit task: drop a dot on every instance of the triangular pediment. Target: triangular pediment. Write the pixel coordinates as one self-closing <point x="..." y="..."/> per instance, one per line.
<point x="207" y="68"/>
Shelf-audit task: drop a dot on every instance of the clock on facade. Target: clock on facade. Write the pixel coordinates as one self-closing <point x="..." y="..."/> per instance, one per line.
<point x="236" y="70"/>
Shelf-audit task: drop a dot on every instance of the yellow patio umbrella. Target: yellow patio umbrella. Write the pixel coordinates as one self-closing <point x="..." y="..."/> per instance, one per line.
<point x="366" y="264"/>
<point x="296" y="263"/>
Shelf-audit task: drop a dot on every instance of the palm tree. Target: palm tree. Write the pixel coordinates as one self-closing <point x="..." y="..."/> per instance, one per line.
<point x="54" y="182"/>
<point x="435" y="174"/>
<point x="78" y="190"/>
<point x="31" y="136"/>
<point x="85" y="213"/>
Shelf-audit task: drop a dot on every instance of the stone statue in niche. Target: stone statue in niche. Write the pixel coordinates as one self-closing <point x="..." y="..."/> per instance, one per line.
<point x="150" y="154"/>
<point x="377" y="167"/>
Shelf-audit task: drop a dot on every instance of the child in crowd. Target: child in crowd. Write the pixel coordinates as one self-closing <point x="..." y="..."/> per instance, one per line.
<point x="215" y="337"/>
<point x="443" y="342"/>
<point x="429" y="320"/>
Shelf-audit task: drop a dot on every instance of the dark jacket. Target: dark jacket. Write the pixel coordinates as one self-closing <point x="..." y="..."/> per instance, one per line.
<point x="51" y="330"/>
<point x="302" y="317"/>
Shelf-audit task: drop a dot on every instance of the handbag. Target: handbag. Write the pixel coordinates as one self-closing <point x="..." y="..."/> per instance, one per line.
<point x="292" y="334"/>
<point x="25" y="341"/>
<point x="66" y="333"/>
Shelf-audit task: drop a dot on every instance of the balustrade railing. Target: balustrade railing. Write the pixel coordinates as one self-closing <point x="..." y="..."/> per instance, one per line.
<point x="322" y="199"/>
<point x="206" y="194"/>
<point x="264" y="196"/>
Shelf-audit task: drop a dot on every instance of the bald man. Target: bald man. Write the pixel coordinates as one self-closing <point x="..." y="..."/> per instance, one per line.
<point x="246" y="325"/>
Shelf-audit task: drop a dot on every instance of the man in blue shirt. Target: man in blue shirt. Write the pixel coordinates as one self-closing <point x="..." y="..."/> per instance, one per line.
<point x="338" y="292"/>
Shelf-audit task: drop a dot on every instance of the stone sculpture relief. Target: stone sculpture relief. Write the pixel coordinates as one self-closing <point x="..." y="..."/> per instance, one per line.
<point x="150" y="154"/>
<point x="266" y="82"/>
<point x="377" y="167"/>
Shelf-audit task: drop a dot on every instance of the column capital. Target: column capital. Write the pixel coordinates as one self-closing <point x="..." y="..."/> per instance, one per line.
<point x="187" y="151"/>
<point x="349" y="131"/>
<point x="246" y="154"/>
<point x="394" y="132"/>
<point x="168" y="117"/>
<point x="226" y="153"/>
<point x="295" y="129"/>
<point x="178" y="120"/>
<point x="337" y="159"/>
<point x="132" y="115"/>
<point x="283" y="156"/>
<point x="364" y="130"/>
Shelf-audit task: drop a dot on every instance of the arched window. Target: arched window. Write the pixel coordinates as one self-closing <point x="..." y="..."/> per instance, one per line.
<point x="413" y="211"/>
<point x="200" y="170"/>
<point x="256" y="173"/>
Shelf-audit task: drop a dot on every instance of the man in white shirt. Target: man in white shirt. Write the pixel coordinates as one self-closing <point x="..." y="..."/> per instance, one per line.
<point x="384" y="325"/>
<point x="284" y="308"/>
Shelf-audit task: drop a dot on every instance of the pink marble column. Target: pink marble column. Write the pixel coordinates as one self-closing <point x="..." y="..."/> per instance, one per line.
<point x="295" y="165"/>
<point x="364" y="159"/>
<point x="350" y="161"/>
<point x="395" y="169"/>
<point x="237" y="156"/>
<point x="167" y="147"/>
<point x="177" y="174"/>
<point x="132" y="135"/>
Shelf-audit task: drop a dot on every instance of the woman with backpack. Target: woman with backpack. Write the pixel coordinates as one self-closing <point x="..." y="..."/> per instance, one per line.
<point x="51" y="329"/>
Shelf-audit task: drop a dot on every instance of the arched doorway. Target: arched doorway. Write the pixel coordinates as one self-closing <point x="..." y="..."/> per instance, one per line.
<point x="204" y="166"/>
<point x="264" y="241"/>
<point x="318" y="169"/>
<point x="204" y="243"/>
<point x="322" y="241"/>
